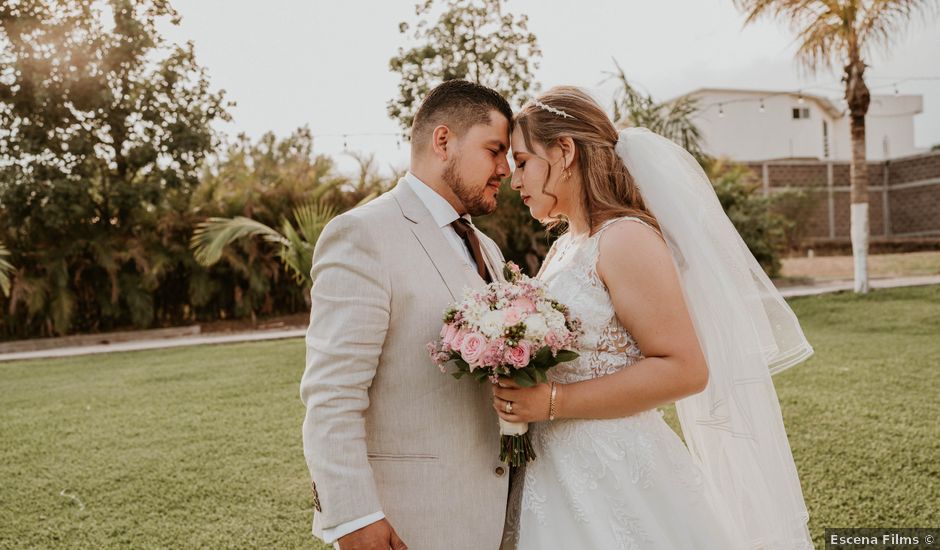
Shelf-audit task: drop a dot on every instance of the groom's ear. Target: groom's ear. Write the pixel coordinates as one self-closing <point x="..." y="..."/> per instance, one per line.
<point x="441" y="137"/>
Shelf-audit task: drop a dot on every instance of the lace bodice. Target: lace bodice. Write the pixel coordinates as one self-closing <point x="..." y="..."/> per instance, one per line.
<point x="570" y="273"/>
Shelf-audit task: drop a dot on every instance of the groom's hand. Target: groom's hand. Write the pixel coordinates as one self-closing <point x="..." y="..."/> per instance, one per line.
<point x="375" y="536"/>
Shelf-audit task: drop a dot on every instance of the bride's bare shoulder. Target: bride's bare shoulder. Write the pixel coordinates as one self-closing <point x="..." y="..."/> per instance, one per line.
<point x="629" y="249"/>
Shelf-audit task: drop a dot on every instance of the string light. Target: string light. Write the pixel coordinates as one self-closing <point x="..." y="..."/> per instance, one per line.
<point x="801" y="98"/>
<point x="827" y="87"/>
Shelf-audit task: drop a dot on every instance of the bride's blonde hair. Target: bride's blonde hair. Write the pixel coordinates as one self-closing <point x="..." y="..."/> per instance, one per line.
<point x="607" y="188"/>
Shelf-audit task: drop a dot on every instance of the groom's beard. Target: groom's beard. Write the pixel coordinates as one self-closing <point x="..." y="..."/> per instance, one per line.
<point x="473" y="200"/>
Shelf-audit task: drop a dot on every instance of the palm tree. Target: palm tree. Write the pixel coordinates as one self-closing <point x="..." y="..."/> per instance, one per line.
<point x="842" y="33"/>
<point x="295" y="244"/>
<point x="6" y="270"/>
<point x="671" y="119"/>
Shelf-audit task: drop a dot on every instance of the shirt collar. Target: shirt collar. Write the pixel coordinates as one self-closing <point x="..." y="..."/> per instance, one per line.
<point x="441" y="210"/>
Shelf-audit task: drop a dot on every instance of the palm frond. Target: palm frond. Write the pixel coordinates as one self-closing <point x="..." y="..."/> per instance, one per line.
<point x="312" y="217"/>
<point x="298" y="255"/>
<point x="676" y="124"/>
<point x="673" y="120"/>
<point x="830" y="32"/>
<point x="886" y="20"/>
<point x="62" y="301"/>
<point x="6" y="270"/>
<point x="32" y="292"/>
<point x="324" y="187"/>
<point x="823" y="41"/>
<point x="212" y="236"/>
<point x="756" y="9"/>
<point x="627" y="98"/>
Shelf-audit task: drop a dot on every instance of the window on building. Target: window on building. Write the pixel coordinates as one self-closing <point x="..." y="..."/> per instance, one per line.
<point x="825" y="139"/>
<point x="800" y="113"/>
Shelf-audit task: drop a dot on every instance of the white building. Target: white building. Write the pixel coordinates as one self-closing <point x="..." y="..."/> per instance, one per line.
<point x="754" y="125"/>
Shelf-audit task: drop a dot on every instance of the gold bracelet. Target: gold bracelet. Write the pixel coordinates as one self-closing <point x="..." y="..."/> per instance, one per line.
<point x="551" y="403"/>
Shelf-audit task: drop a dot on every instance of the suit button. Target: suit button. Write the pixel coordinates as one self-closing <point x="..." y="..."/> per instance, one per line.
<point x="499" y="471"/>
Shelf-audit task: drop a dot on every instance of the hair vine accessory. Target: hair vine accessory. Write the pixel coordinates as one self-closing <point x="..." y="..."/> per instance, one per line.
<point x="550" y="109"/>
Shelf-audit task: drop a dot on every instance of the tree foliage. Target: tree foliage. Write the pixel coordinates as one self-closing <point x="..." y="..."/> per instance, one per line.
<point x="758" y="218"/>
<point x="103" y="127"/>
<point x="672" y="120"/>
<point x="470" y="39"/>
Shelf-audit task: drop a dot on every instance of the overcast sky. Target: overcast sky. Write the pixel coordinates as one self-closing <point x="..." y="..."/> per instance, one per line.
<point x="324" y="64"/>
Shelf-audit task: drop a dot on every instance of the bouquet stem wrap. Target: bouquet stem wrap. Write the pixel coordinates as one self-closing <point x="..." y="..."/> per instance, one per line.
<point x="515" y="447"/>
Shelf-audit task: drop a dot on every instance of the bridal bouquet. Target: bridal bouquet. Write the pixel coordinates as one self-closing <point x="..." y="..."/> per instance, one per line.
<point x="508" y="329"/>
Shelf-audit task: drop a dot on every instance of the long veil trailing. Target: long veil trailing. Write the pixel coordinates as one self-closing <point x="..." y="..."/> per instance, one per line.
<point x="734" y="428"/>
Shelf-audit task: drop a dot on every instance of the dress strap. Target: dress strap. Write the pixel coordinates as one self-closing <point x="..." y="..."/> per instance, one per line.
<point x="612" y="221"/>
<point x="594" y="243"/>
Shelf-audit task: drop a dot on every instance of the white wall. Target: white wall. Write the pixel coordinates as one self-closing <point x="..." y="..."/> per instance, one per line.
<point x="889" y="117"/>
<point x="744" y="133"/>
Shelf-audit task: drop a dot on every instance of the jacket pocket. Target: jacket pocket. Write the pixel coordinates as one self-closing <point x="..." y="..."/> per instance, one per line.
<point x="402" y="457"/>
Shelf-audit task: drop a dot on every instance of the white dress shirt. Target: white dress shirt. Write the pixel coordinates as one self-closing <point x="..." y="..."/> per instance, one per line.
<point x="443" y="214"/>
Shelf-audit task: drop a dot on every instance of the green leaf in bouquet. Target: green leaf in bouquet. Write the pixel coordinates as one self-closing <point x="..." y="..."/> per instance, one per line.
<point x="542" y="358"/>
<point x="481" y="374"/>
<point x="523" y="378"/>
<point x="543" y="355"/>
<point x="565" y="356"/>
<point x="458" y="375"/>
<point x="540" y="375"/>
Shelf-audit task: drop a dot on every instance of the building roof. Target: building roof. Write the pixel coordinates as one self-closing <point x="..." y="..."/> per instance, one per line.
<point x="825" y="103"/>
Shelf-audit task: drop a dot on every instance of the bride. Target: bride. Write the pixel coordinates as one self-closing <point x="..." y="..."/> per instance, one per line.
<point x="674" y="309"/>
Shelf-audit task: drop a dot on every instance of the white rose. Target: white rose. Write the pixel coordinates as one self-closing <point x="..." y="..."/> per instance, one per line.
<point x="473" y="315"/>
<point x="491" y="324"/>
<point x="535" y="327"/>
<point x="555" y="320"/>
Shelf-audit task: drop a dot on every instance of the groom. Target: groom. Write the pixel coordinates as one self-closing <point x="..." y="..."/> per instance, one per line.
<point x="400" y="455"/>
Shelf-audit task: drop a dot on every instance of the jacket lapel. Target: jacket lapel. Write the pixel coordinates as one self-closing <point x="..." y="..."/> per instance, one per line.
<point x="456" y="274"/>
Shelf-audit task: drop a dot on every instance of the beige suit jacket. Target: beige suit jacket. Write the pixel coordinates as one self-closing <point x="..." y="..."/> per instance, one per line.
<point x="385" y="430"/>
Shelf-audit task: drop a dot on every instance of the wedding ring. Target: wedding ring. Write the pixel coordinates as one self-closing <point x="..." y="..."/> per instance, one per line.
<point x="508" y="407"/>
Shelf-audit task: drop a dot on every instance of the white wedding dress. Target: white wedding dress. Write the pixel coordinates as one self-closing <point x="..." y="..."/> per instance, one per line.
<point x="625" y="483"/>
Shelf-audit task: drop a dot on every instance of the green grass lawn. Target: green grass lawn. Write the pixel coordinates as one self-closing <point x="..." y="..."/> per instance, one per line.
<point x="828" y="268"/>
<point x="201" y="447"/>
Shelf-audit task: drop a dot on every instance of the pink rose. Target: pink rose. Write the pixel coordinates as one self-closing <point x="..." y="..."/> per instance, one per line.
<point x="552" y="340"/>
<point x="472" y="348"/>
<point x="525" y="304"/>
<point x="447" y="335"/>
<point x="493" y="354"/>
<point x="512" y="316"/>
<point x="457" y="340"/>
<point x="519" y="355"/>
